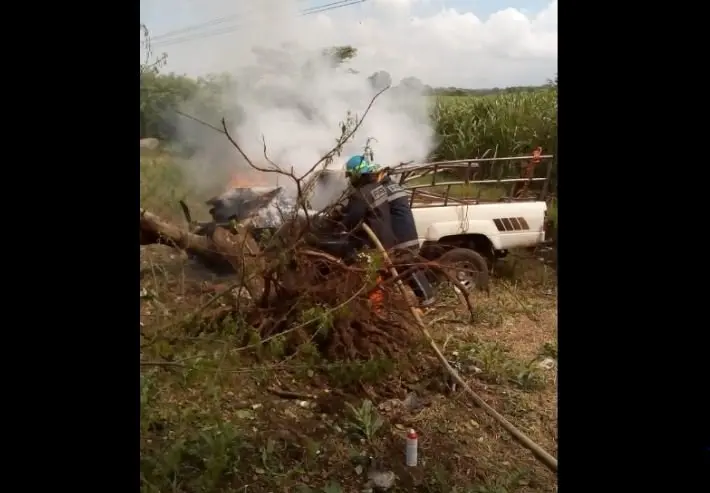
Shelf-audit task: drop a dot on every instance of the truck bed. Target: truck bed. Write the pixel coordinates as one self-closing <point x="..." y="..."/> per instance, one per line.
<point x="423" y="199"/>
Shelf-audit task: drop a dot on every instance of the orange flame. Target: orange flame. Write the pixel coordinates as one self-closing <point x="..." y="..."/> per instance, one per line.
<point x="246" y="180"/>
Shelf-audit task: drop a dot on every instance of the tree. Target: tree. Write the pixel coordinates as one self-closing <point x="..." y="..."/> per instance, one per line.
<point x="380" y="80"/>
<point x="552" y="82"/>
<point x="160" y="95"/>
<point x="149" y="64"/>
<point x="340" y="54"/>
<point x="153" y="97"/>
<point x="412" y="83"/>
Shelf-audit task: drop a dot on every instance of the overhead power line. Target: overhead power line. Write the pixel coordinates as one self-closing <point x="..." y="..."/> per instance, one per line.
<point x="211" y="22"/>
<point x="161" y="41"/>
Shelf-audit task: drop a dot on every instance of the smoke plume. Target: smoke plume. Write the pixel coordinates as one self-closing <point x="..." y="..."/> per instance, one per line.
<point x="280" y="88"/>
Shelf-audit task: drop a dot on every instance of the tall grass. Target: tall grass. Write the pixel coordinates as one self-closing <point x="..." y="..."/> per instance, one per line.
<point x="512" y="124"/>
<point x="162" y="184"/>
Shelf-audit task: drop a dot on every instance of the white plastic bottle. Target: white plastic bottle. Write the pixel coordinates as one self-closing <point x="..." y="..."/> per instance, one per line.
<point x="411" y="448"/>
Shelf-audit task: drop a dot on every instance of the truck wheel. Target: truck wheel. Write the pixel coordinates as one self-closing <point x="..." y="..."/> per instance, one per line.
<point x="468" y="267"/>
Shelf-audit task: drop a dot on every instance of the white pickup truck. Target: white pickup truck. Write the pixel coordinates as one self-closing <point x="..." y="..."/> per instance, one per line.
<point x="471" y="212"/>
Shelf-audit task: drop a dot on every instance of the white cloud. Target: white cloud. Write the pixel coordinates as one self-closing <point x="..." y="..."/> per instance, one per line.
<point x="444" y="47"/>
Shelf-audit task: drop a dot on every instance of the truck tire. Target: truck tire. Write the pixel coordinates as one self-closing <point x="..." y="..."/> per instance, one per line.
<point x="473" y="267"/>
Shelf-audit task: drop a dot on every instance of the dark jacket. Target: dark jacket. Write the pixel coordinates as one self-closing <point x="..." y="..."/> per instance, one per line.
<point x="368" y="203"/>
<point x="403" y="226"/>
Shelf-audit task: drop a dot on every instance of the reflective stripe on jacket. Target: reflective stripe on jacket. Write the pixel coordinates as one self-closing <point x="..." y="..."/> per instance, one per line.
<point x="403" y="226"/>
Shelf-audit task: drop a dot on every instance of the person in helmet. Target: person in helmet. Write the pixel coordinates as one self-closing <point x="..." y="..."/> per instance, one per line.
<point x="367" y="202"/>
<point x="405" y="242"/>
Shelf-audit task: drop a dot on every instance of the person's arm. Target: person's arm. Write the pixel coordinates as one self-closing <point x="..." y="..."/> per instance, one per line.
<point x="354" y="212"/>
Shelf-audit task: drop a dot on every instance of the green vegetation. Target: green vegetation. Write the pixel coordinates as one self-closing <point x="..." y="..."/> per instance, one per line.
<point x="511" y="124"/>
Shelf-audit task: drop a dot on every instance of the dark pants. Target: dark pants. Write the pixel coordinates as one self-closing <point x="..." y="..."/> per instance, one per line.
<point x="417" y="280"/>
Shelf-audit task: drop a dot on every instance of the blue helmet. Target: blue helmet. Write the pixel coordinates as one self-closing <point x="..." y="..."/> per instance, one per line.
<point x="360" y="165"/>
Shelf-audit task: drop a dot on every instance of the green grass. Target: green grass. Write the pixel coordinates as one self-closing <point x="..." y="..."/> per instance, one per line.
<point x="508" y="124"/>
<point x="494" y="125"/>
<point x="552" y="212"/>
<point x="163" y="184"/>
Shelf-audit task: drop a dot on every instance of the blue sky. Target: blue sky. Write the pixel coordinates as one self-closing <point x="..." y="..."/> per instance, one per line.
<point x="482" y="43"/>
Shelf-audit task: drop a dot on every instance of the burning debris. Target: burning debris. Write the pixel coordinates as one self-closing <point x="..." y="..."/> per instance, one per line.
<point x="267" y="206"/>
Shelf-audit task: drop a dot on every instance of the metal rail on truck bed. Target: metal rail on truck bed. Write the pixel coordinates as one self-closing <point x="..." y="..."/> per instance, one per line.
<point x="443" y="176"/>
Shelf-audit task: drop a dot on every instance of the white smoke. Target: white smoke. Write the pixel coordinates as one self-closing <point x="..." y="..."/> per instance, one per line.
<point x="288" y="95"/>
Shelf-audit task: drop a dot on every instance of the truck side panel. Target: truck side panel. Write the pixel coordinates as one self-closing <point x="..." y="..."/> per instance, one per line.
<point x="506" y="224"/>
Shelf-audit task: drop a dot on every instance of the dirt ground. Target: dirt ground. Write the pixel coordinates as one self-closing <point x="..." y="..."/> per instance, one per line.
<point x="220" y="418"/>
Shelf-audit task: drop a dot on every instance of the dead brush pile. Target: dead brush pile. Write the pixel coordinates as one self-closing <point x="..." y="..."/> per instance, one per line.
<point x="298" y="295"/>
<point x="316" y="300"/>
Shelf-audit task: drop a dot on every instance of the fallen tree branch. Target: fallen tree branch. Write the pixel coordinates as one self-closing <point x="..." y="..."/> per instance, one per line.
<point x="232" y="247"/>
<point x="154" y="230"/>
<point x="542" y="455"/>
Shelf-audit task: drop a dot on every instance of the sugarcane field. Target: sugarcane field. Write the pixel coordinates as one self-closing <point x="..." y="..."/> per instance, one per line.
<point x="347" y="283"/>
